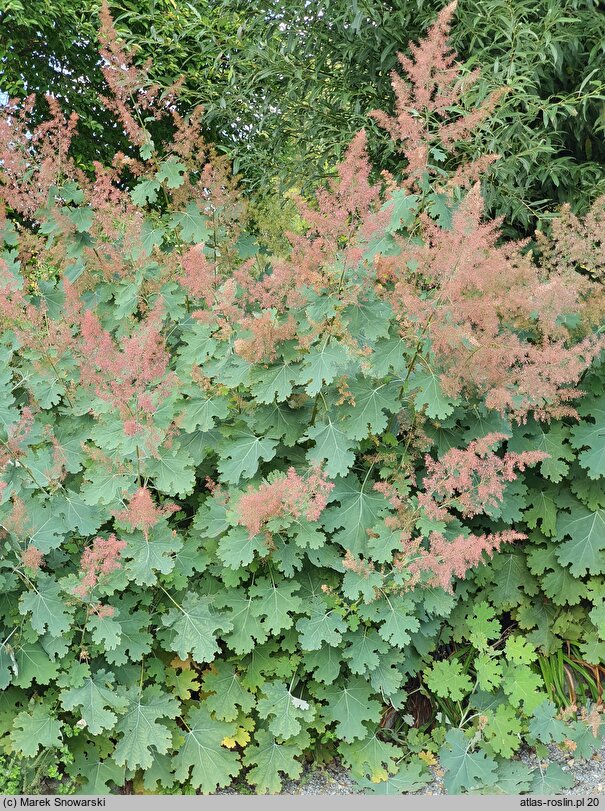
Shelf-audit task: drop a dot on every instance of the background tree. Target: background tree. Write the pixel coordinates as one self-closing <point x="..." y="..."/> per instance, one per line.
<point x="286" y="84"/>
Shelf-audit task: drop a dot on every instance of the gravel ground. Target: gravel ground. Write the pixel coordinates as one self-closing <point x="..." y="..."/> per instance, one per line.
<point x="588" y="774"/>
<point x="334" y="779"/>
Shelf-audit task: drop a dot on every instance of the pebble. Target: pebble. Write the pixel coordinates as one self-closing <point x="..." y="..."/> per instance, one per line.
<point x="334" y="779"/>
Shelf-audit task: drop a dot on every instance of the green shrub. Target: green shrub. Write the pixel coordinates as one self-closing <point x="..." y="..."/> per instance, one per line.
<point x="237" y="491"/>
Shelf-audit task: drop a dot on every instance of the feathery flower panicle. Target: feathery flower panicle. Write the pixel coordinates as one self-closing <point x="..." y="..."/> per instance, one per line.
<point x="471" y="299"/>
<point x="102" y="558"/>
<point x="288" y="495"/>
<point x="16" y="521"/>
<point x="199" y="276"/>
<point x="472" y="480"/>
<point x="28" y="321"/>
<point x="348" y="200"/>
<point x="432" y="70"/>
<point x="575" y="244"/>
<point x="188" y="141"/>
<point x="11" y="450"/>
<point x="32" y="558"/>
<point x="102" y="611"/>
<point x="32" y="160"/>
<point x="357" y="565"/>
<point x="343" y="216"/>
<point x="390" y="492"/>
<point x="142" y="513"/>
<point x="131" y="375"/>
<point x="434" y="85"/>
<point x="131" y="94"/>
<point x="445" y="559"/>
<point x="256" y="507"/>
<point x="267" y="334"/>
<point x="312" y="496"/>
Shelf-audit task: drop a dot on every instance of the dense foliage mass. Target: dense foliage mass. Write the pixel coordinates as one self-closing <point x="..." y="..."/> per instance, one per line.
<point x="286" y="84"/>
<point x="255" y="507"/>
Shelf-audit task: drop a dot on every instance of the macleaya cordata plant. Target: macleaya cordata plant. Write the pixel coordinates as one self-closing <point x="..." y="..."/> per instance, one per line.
<point x="232" y="521"/>
<point x="423" y="126"/>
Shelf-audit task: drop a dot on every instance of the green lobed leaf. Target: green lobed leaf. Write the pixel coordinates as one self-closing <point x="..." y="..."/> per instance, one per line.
<point x="322" y="365"/>
<point x="193" y="628"/>
<point x="363" y="648"/>
<point x="283" y="710"/>
<point x="322" y="625"/>
<point x="551" y="780"/>
<point x="202" y="759"/>
<point x="33" y="663"/>
<point x="192" y="224"/>
<point x="35" y="729"/>
<point x="98" y="773"/>
<point x="430" y="394"/>
<point x="105" y="631"/>
<point x="201" y="412"/>
<point x="552" y="439"/>
<point x="145" y="557"/>
<point x="465" y="769"/>
<point x="46" y="605"/>
<point x="276" y="602"/>
<point x="247" y="629"/>
<point x="97" y="700"/>
<point x="360" y="509"/>
<point x="371" y="405"/>
<point x="141" y="728"/>
<point x="271" y="759"/>
<point x="274" y="383"/>
<point x="350" y="706"/>
<point x="172" y="471"/>
<point x="333" y="450"/>
<point x="228" y="696"/>
<point x="146" y="191"/>
<point x="446" y="679"/>
<point x="583" y="552"/>
<point x="241" y="455"/>
<point x="591" y="436"/>
<point x="408" y="779"/>
<point x="544" y="726"/>
<point x="397" y="619"/>
<point x="370" y="756"/>
<point x="134" y="637"/>
<point x="503" y="730"/>
<point x="522" y="685"/>
<point x="171" y="172"/>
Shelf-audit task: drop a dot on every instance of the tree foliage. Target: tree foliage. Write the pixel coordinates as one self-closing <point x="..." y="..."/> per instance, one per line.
<point x="285" y="85"/>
